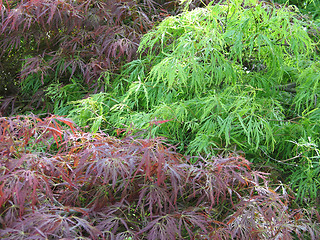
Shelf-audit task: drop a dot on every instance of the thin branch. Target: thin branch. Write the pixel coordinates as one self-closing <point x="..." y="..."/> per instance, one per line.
<point x="290" y="87"/>
<point x="282" y="161"/>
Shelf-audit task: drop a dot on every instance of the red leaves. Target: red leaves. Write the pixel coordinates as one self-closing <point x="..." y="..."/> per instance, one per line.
<point x="105" y="188"/>
<point x="60" y="39"/>
<point x="66" y="30"/>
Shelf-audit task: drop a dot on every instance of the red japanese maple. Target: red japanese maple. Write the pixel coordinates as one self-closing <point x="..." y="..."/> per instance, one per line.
<point x="59" y="182"/>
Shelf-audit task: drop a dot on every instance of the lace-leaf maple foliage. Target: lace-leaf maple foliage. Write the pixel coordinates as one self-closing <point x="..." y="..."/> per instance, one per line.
<point x="59" y="182"/>
<point x="47" y="42"/>
<point x="239" y="74"/>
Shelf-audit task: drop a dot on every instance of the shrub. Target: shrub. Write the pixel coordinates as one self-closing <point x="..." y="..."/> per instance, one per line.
<point x="59" y="182"/>
<point x="47" y="42"/>
<point x="237" y="77"/>
<point x="233" y="75"/>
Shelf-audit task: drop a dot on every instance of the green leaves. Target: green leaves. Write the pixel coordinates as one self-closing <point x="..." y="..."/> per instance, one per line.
<point x="308" y="89"/>
<point x="233" y="75"/>
<point x="216" y="72"/>
<point x="228" y="45"/>
<point x="211" y="47"/>
<point x="305" y="180"/>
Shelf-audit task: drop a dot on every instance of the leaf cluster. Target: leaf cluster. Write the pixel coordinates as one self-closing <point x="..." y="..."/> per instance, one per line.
<point x="225" y="71"/>
<point x="59" y="182"/>
<point x="47" y="42"/>
<point x="230" y="75"/>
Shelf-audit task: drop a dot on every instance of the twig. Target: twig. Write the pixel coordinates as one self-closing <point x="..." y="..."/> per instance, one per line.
<point x="283" y="161"/>
<point x="287" y="87"/>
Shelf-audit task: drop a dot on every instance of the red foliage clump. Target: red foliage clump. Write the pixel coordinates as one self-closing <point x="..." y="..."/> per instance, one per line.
<point x="66" y="37"/>
<point x="59" y="182"/>
<point x="48" y="41"/>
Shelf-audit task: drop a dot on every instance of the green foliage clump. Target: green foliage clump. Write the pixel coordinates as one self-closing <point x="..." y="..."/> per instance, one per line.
<point x="232" y="75"/>
<point x="227" y="64"/>
<point x="307" y="175"/>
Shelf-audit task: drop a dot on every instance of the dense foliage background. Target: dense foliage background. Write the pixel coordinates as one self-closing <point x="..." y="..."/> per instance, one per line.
<point x="175" y="101"/>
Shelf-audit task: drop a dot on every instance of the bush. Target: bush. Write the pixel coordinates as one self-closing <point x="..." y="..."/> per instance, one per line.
<point x="59" y="182"/>
<point x="51" y="42"/>
<point x="234" y="75"/>
<point x="229" y="78"/>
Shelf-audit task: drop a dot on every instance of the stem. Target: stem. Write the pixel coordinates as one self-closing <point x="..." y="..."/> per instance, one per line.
<point x="287" y="87"/>
<point x="226" y="20"/>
